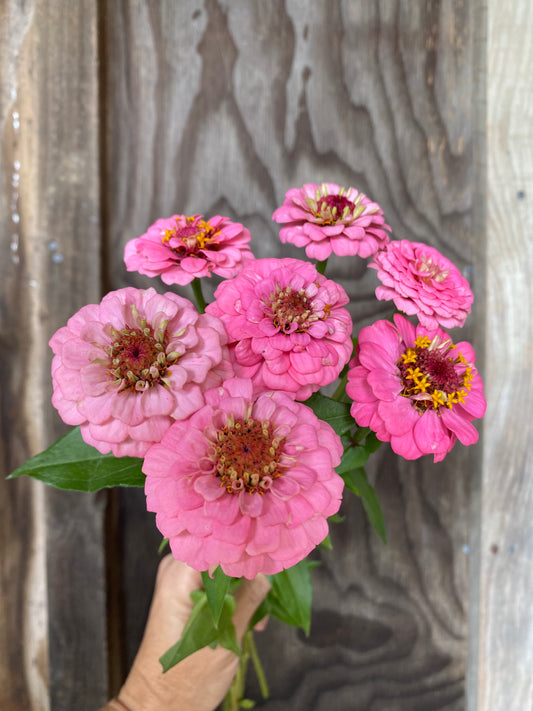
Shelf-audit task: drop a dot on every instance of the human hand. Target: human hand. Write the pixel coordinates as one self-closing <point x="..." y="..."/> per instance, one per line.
<point x="199" y="682"/>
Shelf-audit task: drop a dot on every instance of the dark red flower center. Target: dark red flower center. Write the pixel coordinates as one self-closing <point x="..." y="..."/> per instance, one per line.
<point x="138" y="358"/>
<point x="440" y="370"/>
<point x="248" y="456"/>
<point x="434" y="374"/>
<point x="340" y="203"/>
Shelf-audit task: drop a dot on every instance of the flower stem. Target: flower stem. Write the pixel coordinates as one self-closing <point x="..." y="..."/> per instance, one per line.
<point x="236" y="690"/>
<point x="321" y="266"/>
<point x="232" y="701"/>
<point x="341" y="388"/>
<point x="197" y="291"/>
<point x="258" y="667"/>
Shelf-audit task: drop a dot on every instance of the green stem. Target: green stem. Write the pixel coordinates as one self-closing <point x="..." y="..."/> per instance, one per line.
<point x="321" y="266"/>
<point x="236" y="690"/>
<point x="258" y="667"/>
<point x="197" y="291"/>
<point x="232" y="701"/>
<point x="341" y="388"/>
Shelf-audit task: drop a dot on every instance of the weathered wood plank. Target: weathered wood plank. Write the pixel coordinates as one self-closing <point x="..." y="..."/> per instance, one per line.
<point x="23" y="617"/>
<point x="504" y="678"/>
<point x="221" y="107"/>
<point x="53" y="546"/>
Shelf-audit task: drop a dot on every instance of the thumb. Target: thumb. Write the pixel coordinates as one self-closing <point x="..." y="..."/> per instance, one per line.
<point x="250" y="594"/>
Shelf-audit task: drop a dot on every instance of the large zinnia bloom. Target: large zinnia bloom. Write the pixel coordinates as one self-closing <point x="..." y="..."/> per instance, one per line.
<point x="287" y="328"/>
<point x="126" y="368"/>
<point x="247" y="482"/>
<point x="421" y="281"/>
<point x="327" y="218"/>
<point x="180" y="248"/>
<point x="415" y="388"/>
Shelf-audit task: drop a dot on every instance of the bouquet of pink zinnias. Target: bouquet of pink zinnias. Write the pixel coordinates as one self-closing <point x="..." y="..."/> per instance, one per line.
<point x="217" y="410"/>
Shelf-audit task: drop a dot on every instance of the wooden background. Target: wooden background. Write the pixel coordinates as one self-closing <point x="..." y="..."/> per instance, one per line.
<point x="115" y="113"/>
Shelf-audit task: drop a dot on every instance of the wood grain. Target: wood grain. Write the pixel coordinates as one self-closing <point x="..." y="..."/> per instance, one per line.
<point x="53" y="583"/>
<point x="504" y="669"/>
<point x="221" y="107"/>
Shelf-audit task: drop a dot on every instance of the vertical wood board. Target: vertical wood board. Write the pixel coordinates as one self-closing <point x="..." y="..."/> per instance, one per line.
<point x="505" y="619"/>
<point x="52" y="543"/>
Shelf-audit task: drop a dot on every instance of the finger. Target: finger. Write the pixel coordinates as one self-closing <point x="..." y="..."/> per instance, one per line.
<point x="248" y="597"/>
<point x="171" y="602"/>
<point x="177" y="577"/>
<point x="261" y="625"/>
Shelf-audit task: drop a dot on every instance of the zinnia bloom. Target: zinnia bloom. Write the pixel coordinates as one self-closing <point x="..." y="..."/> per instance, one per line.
<point x="415" y="388"/>
<point x="421" y="281"/>
<point x="286" y="326"/>
<point x="247" y="482"/>
<point x="126" y="368"/>
<point x="327" y="218"/>
<point x="181" y="248"/>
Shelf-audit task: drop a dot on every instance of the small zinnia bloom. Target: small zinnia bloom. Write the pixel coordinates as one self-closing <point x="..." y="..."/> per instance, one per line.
<point x="287" y="328"/>
<point x="414" y="388"/>
<point x="421" y="281"/>
<point x="181" y="248"/>
<point x="327" y="218"/>
<point x="246" y="482"/>
<point x="126" y="368"/>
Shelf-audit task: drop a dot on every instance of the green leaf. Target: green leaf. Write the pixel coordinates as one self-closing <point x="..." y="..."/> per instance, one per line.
<point x="246" y="704"/>
<point x="335" y="413"/>
<point x="164" y="543"/>
<point x="326" y="543"/>
<point x="353" y="457"/>
<point x="71" y="463"/>
<point x="356" y="480"/>
<point x="372" y="443"/>
<point x="200" y="631"/>
<point x="361" y="433"/>
<point x="216" y="588"/>
<point x="291" y="595"/>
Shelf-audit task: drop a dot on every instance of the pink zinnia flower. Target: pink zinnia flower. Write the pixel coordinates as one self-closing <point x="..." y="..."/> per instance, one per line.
<point x="181" y="248"/>
<point x="286" y="326"/>
<point x="247" y="482"/>
<point x="327" y="218"/>
<point x="421" y="281"/>
<point x="415" y="388"/>
<point x="126" y="368"/>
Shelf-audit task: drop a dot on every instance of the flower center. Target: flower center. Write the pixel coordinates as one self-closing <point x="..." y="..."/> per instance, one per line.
<point x="248" y="456"/>
<point x="429" y="271"/>
<point x="189" y="238"/>
<point x="330" y="209"/>
<point x="138" y="359"/>
<point x="291" y="311"/>
<point x="434" y="374"/>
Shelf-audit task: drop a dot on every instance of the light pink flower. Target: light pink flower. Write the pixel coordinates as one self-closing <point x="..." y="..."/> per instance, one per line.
<point x="286" y="326"/>
<point x="247" y="482"/>
<point x="414" y="388"/>
<point x="327" y="218"/>
<point x="181" y="248"/>
<point x="421" y="281"/>
<point x="126" y="368"/>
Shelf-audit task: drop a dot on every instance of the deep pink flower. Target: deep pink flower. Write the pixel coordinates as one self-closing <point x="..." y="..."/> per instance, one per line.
<point x="181" y="248"/>
<point x="327" y="218"/>
<point x="247" y="482"/>
<point x="286" y="326"/>
<point x="415" y="388"/>
<point x="126" y="368"/>
<point x="421" y="281"/>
